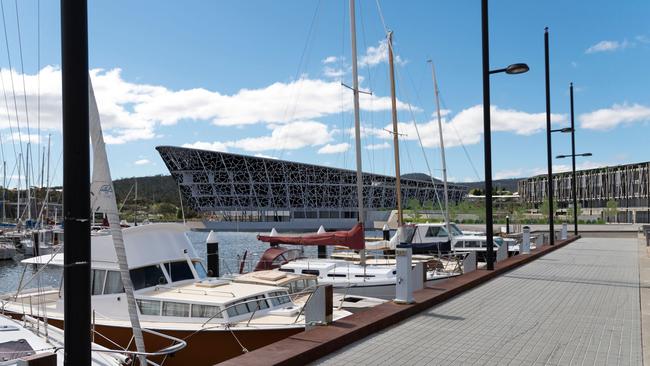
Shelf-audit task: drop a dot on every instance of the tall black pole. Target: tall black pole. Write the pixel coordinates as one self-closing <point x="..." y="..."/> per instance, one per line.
<point x="487" y="144"/>
<point x="573" y="158"/>
<point x="76" y="179"/>
<point x="548" y="141"/>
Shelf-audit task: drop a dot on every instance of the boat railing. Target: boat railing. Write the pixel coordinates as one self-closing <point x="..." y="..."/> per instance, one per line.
<point x="122" y="352"/>
<point x="206" y="291"/>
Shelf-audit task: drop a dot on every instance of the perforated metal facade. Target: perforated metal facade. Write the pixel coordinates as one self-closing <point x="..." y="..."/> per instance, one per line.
<point x="213" y="181"/>
<point x="628" y="184"/>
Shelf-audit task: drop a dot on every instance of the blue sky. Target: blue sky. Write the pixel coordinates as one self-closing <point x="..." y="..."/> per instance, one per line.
<point x="262" y="78"/>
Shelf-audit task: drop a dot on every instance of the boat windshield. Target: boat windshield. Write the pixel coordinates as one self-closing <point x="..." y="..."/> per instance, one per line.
<point x="455" y="231"/>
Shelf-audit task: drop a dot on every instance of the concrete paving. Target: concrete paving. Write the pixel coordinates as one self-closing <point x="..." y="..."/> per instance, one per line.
<point x="579" y="305"/>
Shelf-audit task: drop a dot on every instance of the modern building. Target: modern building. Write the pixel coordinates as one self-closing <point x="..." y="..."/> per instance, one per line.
<point x="254" y="193"/>
<point x="628" y="185"/>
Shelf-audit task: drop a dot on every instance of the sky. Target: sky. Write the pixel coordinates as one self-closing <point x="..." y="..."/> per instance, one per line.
<point x="265" y="78"/>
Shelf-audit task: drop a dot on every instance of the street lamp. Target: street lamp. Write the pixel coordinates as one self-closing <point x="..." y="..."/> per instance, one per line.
<point x="512" y="69"/>
<point x="573" y="155"/>
<point x="549" y="154"/>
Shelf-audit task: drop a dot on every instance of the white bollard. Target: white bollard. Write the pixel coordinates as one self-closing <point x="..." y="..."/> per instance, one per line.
<point x="318" y="310"/>
<point x="469" y="263"/>
<point x="419" y="276"/>
<point x="565" y="232"/>
<point x="404" y="280"/>
<point x="525" y="243"/>
<point x="502" y="252"/>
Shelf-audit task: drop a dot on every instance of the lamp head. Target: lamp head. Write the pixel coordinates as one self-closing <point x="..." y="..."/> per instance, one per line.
<point x="517" y="69"/>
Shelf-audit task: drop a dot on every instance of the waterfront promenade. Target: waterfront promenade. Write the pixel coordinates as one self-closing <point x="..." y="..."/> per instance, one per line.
<point x="578" y="305"/>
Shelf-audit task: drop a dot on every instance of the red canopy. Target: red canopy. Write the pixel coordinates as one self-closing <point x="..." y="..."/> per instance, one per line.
<point x="352" y="239"/>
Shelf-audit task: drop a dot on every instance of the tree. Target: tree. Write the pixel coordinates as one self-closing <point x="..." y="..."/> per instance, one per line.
<point x="544" y="208"/>
<point x="611" y="210"/>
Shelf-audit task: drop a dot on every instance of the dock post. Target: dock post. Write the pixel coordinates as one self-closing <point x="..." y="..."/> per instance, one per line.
<point x="525" y="243"/>
<point x="212" y="251"/>
<point x="507" y="224"/>
<point x="386" y="232"/>
<point x="36" y="245"/>
<point x="404" y="280"/>
<point x="319" y="308"/>
<point x="565" y="233"/>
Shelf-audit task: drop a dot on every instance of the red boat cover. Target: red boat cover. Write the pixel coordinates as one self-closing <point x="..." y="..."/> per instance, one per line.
<point x="352" y="239"/>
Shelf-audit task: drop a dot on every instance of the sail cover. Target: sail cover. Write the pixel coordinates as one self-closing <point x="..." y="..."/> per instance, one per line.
<point x="352" y="239"/>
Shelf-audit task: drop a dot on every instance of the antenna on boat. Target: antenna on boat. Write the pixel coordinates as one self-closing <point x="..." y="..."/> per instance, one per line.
<point x="442" y="149"/>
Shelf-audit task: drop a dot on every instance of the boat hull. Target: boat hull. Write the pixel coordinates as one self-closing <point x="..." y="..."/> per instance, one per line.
<point x="208" y="347"/>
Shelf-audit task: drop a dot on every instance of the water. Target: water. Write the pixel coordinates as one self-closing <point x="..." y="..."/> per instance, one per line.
<point x="231" y="248"/>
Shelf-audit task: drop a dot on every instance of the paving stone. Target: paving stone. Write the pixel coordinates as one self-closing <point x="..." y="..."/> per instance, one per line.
<point x="578" y="305"/>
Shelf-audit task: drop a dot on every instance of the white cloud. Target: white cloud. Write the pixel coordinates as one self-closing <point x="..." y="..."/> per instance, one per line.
<point x="142" y="162"/>
<point x="290" y="136"/>
<point x="133" y="111"/>
<point x="562" y="168"/>
<point x="212" y="146"/>
<point x="260" y="155"/>
<point x="332" y="59"/>
<point x="466" y="127"/>
<point x="334" y="148"/>
<point x="384" y="145"/>
<point x="607" y="46"/>
<point x="333" y="73"/>
<point x="379" y="54"/>
<point x="608" y="118"/>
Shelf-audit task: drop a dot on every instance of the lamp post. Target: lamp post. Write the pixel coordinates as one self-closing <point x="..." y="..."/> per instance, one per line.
<point x="549" y="154"/>
<point x="487" y="145"/>
<point x="573" y="155"/>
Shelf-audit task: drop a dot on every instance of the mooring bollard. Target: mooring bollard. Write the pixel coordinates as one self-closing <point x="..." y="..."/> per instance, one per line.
<point x="404" y="280"/>
<point x="565" y="231"/>
<point x="507" y="224"/>
<point x="525" y="243"/>
<point x="419" y="276"/>
<point x="212" y="251"/>
<point x="386" y="232"/>
<point x="469" y="263"/>
<point x="502" y="252"/>
<point x="319" y="308"/>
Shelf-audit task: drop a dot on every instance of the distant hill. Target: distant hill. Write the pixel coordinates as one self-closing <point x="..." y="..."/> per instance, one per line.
<point x="154" y="189"/>
<point x="507" y="184"/>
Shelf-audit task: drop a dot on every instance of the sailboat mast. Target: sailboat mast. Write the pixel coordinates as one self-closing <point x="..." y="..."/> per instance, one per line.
<point x="357" y="123"/>
<point x="442" y="149"/>
<point x="20" y="160"/>
<point x="47" y="196"/>
<point x="393" y="100"/>
<point x="29" y="193"/>
<point x="4" y="191"/>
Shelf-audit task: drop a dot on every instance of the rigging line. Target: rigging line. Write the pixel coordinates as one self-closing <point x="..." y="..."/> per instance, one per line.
<point x="38" y="75"/>
<point x="462" y="144"/>
<point x="417" y="131"/>
<point x="22" y="69"/>
<point x="305" y="51"/>
<point x="11" y="131"/>
<point x="11" y="75"/>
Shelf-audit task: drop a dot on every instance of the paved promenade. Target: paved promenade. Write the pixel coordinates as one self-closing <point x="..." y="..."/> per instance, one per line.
<point x="578" y="305"/>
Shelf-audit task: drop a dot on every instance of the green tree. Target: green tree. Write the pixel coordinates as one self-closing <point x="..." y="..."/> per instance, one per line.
<point x="544" y="208"/>
<point x="611" y="211"/>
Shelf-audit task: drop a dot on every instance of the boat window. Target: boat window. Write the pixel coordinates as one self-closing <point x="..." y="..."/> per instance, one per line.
<point x="432" y="231"/>
<point x="200" y="270"/>
<point x="459" y="244"/>
<point x="175" y="309"/>
<point x="113" y="283"/>
<point x="455" y="231"/>
<point x="98" y="281"/>
<point x="289" y="270"/>
<point x="311" y="271"/>
<point x="364" y="276"/>
<point x="311" y="283"/>
<point x="248" y="305"/>
<point x="205" y="311"/>
<point x="149" y="307"/>
<point x="147" y="277"/>
<point x="336" y="275"/>
<point x="278" y="261"/>
<point x="472" y="244"/>
<point x="279" y="298"/>
<point x="298" y="285"/>
<point x="179" y="271"/>
<point x="292" y="254"/>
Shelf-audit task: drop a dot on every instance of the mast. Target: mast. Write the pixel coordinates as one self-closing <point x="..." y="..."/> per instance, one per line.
<point x="357" y="124"/>
<point x="135" y="214"/>
<point x="442" y="149"/>
<point x="4" y="191"/>
<point x="76" y="181"/>
<point x="47" y="197"/>
<point x="29" y="193"/>
<point x="20" y="160"/>
<point x="393" y="100"/>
